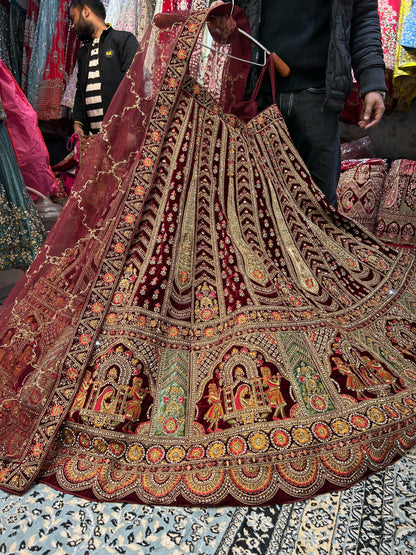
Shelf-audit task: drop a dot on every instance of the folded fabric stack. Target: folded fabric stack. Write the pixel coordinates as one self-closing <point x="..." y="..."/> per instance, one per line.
<point x="360" y="189"/>
<point x="396" y="217"/>
<point x="377" y="193"/>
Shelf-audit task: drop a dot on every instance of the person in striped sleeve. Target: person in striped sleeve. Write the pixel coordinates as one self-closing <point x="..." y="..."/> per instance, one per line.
<point x="103" y="60"/>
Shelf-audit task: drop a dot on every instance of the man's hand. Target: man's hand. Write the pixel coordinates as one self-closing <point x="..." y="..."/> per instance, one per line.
<point x="373" y="110"/>
<point x="78" y="129"/>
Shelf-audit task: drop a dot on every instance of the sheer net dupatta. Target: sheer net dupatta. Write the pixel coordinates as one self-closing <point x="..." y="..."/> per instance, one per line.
<point x="50" y="321"/>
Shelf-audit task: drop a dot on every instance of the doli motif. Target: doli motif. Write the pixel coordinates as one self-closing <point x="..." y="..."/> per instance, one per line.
<point x="201" y="327"/>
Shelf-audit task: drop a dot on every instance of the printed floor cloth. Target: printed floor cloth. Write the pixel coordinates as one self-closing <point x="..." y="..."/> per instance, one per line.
<point x="375" y="517"/>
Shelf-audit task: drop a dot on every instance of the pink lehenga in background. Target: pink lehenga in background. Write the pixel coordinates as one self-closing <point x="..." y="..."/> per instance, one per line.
<point x="200" y="327"/>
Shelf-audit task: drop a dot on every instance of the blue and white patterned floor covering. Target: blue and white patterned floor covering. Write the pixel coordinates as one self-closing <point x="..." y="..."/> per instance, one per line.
<point x="377" y="516"/>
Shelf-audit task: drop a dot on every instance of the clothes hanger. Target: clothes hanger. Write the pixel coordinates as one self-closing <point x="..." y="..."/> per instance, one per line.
<point x="281" y="67"/>
<point x="167" y="19"/>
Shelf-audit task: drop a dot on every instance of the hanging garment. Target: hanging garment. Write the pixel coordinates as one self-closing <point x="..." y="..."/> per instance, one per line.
<point x="5" y="45"/>
<point x="17" y="30"/>
<point x="408" y="36"/>
<point x="113" y="11"/>
<point x="404" y="74"/>
<point x="130" y="15"/>
<point x="200" y="326"/>
<point x="60" y="64"/>
<point x="44" y="30"/>
<point x="32" y="154"/>
<point x="29" y="39"/>
<point x="67" y="100"/>
<point x="389" y="16"/>
<point x="21" y="230"/>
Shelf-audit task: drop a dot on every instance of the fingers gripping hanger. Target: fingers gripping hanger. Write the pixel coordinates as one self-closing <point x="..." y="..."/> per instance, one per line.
<point x="281" y="67"/>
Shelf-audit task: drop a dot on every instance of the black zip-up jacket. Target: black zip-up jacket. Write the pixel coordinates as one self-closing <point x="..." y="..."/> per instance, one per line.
<point x="355" y="42"/>
<point x="117" y="50"/>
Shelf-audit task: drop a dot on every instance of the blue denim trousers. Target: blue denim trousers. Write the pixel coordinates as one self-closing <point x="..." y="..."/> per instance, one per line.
<point x="315" y="134"/>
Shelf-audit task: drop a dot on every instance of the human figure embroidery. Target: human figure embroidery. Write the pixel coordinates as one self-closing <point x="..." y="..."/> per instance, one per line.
<point x="353" y="382"/>
<point x="216" y="412"/>
<point x="381" y="375"/>
<point x="275" y="397"/>
<point x="135" y="399"/>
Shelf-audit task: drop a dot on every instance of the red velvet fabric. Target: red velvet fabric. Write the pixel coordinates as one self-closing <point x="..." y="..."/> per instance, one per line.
<point x="200" y="327"/>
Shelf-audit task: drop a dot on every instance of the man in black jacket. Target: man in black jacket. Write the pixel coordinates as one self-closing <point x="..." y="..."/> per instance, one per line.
<point x="103" y="61"/>
<point x="321" y="41"/>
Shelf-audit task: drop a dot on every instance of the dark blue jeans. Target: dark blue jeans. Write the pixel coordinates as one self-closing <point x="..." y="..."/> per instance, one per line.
<point x="315" y="134"/>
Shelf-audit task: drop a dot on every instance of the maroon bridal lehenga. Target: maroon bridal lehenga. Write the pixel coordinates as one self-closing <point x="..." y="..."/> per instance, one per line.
<point x="200" y="327"/>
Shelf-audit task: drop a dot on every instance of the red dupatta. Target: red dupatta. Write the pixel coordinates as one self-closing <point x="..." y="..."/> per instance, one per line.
<point x="52" y="317"/>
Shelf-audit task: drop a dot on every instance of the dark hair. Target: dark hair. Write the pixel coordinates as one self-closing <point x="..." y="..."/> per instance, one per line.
<point x="96" y="6"/>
